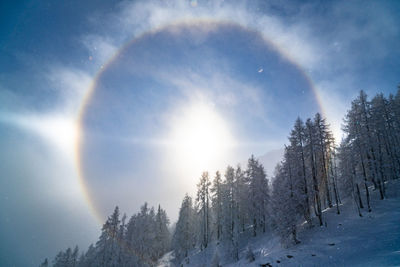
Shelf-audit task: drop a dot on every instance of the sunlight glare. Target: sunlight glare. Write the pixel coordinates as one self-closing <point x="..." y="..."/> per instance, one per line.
<point x="60" y="130"/>
<point x="200" y="139"/>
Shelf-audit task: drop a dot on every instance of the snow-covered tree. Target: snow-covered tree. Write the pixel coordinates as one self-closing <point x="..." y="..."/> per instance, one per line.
<point x="67" y="258"/>
<point x="230" y="215"/>
<point x="312" y="161"/>
<point x="203" y="207"/>
<point x="184" y="237"/>
<point x="297" y="157"/>
<point x="371" y="144"/>
<point x="163" y="236"/>
<point x="258" y="194"/>
<point x="287" y="199"/>
<point x="242" y="197"/>
<point x="45" y="263"/>
<point x="107" y="245"/>
<point x="348" y="177"/>
<point x="216" y="203"/>
<point x="322" y="144"/>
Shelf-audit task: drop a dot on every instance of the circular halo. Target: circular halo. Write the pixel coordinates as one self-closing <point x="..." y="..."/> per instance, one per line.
<point x="171" y="26"/>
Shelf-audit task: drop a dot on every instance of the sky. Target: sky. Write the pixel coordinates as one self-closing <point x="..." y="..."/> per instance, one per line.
<point x="106" y="103"/>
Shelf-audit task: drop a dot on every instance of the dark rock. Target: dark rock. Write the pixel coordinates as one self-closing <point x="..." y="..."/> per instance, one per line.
<point x="289" y="256"/>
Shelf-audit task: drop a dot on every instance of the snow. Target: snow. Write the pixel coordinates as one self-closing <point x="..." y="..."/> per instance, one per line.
<point x="345" y="240"/>
<point x="166" y="260"/>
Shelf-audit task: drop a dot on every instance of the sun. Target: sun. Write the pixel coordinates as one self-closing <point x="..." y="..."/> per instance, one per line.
<point x="200" y="139"/>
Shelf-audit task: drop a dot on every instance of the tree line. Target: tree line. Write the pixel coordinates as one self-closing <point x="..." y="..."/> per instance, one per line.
<point x="314" y="174"/>
<point x="139" y="242"/>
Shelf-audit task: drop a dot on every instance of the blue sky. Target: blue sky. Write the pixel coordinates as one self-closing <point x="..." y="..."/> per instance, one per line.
<point x="229" y="76"/>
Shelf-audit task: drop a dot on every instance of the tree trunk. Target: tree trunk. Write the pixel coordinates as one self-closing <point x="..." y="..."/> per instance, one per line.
<point x="307" y="214"/>
<point x="318" y="211"/>
<point x="365" y="180"/>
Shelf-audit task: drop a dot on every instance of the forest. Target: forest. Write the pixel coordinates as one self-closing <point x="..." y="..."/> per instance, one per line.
<point x="233" y="206"/>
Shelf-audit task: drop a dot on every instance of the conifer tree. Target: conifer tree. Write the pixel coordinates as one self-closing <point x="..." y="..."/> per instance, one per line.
<point x="258" y="189"/>
<point x="216" y="202"/>
<point x="184" y="237"/>
<point x="203" y="206"/>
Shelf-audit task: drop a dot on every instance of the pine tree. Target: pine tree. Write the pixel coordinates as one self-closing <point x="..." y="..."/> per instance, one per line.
<point x="348" y="175"/>
<point x="322" y="144"/>
<point x="287" y="196"/>
<point x="242" y="195"/>
<point x="163" y="237"/>
<point x="216" y="203"/>
<point x="184" y="237"/>
<point x="107" y="245"/>
<point x="311" y="139"/>
<point x="202" y="201"/>
<point x="74" y="257"/>
<point x="230" y="212"/>
<point x="258" y="189"/>
<point x="298" y="164"/>
<point x="45" y="263"/>
<point x="228" y="204"/>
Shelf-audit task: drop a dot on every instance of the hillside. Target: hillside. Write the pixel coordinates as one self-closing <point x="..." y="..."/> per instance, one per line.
<point x="345" y="240"/>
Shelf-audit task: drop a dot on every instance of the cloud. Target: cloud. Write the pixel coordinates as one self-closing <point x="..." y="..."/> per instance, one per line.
<point x="217" y="86"/>
<point x="100" y="48"/>
<point x="143" y="16"/>
<point x="71" y="84"/>
<point x="58" y="126"/>
<point x="327" y="43"/>
<point x="300" y="37"/>
<point x="323" y="42"/>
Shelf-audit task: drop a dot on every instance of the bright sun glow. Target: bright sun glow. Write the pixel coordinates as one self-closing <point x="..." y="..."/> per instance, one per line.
<point x="61" y="131"/>
<point x="200" y="139"/>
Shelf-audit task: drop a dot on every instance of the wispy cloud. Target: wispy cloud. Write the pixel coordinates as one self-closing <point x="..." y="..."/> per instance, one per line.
<point x="71" y="84"/>
<point x="300" y="37"/>
<point x="58" y="126"/>
<point x="325" y="43"/>
<point x="135" y="18"/>
<point x="221" y="89"/>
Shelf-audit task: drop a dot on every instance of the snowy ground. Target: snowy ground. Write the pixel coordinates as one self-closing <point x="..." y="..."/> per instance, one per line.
<point x="165" y="261"/>
<point x="347" y="240"/>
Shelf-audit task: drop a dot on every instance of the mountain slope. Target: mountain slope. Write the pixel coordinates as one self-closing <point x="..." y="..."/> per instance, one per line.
<point x="345" y="240"/>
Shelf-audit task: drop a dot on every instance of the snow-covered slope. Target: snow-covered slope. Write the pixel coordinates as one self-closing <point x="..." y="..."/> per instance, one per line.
<point x="346" y="240"/>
